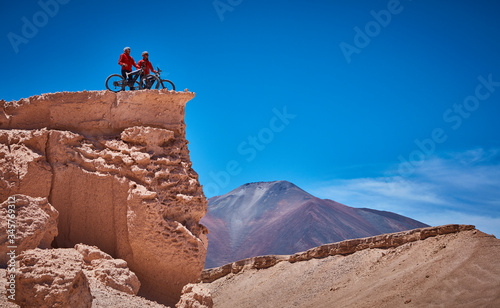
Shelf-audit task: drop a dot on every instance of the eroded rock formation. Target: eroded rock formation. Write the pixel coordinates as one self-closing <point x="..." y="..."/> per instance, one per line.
<point x="33" y="224"/>
<point x="195" y="296"/>
<point x="101" y="269"/>
<point x="49" y="278"/>
<point x="67" y="277"/>
<point x="117" y="169"/>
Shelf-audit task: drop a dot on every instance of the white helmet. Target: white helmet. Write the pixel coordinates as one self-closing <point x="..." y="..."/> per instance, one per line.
<point x="145" y="53"/>
<point x="126" y="48"/>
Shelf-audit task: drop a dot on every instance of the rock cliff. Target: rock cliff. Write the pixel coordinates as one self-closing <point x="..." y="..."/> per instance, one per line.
<point x="116" y="167"/>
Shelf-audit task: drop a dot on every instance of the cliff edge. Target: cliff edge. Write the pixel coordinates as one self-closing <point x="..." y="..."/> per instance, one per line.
<point x="116" y="167"/>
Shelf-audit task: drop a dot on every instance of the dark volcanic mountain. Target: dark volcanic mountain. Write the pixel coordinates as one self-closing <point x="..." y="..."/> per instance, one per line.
<point x="280" y="218"/>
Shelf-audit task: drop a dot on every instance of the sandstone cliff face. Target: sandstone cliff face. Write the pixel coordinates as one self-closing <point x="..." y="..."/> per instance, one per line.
<point x="117" y="169"/>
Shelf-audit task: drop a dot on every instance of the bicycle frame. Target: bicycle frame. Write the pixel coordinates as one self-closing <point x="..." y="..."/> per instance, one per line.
<point x="137" y="73"/>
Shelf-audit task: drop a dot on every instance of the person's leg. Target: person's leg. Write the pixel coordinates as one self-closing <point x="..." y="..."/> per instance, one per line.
<point x="146" y="84"/>
<point x="133" y="78"/>
<point x="129" y="79"/>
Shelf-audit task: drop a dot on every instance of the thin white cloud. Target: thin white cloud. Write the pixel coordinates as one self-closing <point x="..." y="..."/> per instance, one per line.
<point x="386" y="190"/>
<point x="454" y="188"/>
<point x="486" y="224"/>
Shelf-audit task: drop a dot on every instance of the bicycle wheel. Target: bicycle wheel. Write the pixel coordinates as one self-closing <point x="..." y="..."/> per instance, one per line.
<point x="150" y="82"/>
<point x="115" y="83"/>
<point x="167" y="84"/>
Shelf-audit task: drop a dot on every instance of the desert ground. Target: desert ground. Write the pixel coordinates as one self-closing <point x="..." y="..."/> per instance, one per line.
<point x="454" y="270"/>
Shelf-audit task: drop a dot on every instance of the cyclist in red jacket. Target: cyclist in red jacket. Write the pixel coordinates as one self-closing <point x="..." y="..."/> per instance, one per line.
<point x="126" y="62"/>
<point x="147" y="65"/>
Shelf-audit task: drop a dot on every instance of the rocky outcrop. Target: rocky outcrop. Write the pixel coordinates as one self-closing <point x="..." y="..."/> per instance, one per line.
<point x="259" y="262"/>
<point x="384" y="241"/>
<point x="49" y="278"/>
<point x="94" y="113"/>
<point x="101" y="269"/>
<point x="67" y="277"/>
<point x="26" y="223"/>
<point x="116" y="167"/>
<point x="195" y="296"/>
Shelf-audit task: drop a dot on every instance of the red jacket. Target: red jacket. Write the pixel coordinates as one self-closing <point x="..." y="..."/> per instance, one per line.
<point x="128" y="61"/>
<point x="147" y="66"/>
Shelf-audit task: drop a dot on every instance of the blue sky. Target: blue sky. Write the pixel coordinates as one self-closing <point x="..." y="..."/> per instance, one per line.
<point x="392" y="105"/>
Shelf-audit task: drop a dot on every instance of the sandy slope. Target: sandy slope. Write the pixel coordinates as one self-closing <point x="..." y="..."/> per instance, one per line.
<point x="454" y="270"/>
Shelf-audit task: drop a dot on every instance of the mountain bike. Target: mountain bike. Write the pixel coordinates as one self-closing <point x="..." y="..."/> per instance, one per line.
<point x="156" y="81"/>
<point x="117" y="82"/>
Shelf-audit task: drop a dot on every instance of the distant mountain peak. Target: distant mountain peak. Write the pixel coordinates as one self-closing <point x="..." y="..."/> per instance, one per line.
<point x="271" y="186"/>
<point x="280" y="183"/>
<point x="278" y="217"/>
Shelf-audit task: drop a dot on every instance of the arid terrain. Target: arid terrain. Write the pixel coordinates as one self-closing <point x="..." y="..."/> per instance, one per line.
<point x="458" y="269"/>
<point x="100" y="207"/>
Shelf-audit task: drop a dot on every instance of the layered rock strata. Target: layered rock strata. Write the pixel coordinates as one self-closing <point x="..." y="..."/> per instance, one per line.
<point x="117" y="169"/>
<point x="384" y="241"/>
